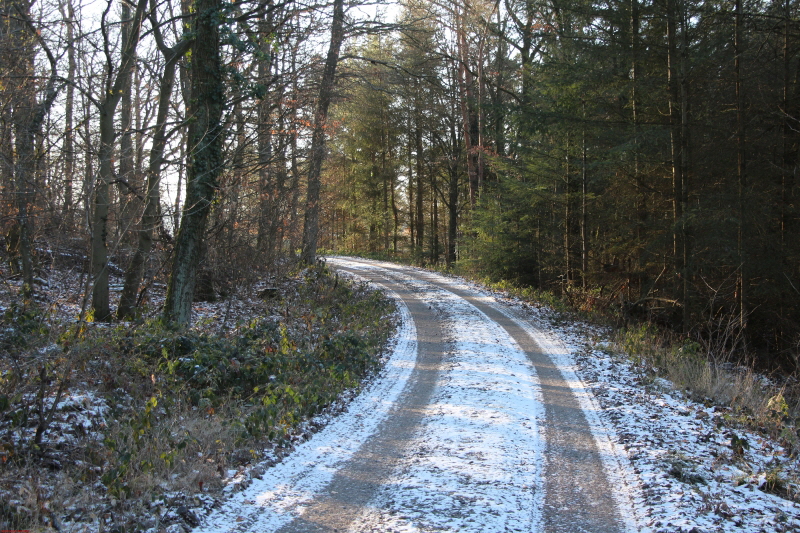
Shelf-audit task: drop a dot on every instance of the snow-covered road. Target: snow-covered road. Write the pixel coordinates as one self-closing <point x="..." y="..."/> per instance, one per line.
<point x="478" y="423"/>
<point x="473" y="451"/>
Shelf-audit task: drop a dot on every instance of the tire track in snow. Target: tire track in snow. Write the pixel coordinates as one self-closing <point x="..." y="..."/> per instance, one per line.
<point x="500" y="444"/>
<point x="580" y="458"/>
<point x="357" y="481"/>
<point x="287" y="489"/>
<point x="476" y="464"/>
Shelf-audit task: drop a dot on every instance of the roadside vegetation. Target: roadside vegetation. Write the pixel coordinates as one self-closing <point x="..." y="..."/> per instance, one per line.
<point x="128" y="427"/>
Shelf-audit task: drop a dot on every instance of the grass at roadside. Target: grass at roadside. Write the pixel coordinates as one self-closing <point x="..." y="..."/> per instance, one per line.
<point x="122" y="427"/>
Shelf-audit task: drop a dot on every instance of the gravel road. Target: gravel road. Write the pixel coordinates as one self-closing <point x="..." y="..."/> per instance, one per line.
<point x="471" y="427"/>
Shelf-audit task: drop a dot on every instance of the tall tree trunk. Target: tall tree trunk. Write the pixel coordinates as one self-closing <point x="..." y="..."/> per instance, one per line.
<point x="741" y="169"/>
<point x="468" y="115"/>
<point x="568" y="214"/>
<point x="126" y="184"/>
<point x="395" y="219"/>
<point x="67" y="210"/>
<point x="641" y="192"/>
<point x="386" y="200"/>
<point x="88" y="168"/>
<point x="419" y="216"/>
<point x="791" y="145"/>
<point x="151" y="218"/>
<point x="311" y="225"/>
<point x="685" y="226"/>
<point x="113" y="92"/>
<point x="269" y="215"/>
<point x="452" y="196"/>
<point x="28" y="116"/>
<point x="452" y="216"/>
<point x="205" y="138"/>
<point x="412" y="221"/>
<point x="584" y="213"/>
<point x="676" y="107"/>
<point x="434" y="227"/>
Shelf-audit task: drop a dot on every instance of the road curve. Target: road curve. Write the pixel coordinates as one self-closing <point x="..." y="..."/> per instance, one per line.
<point x="472" y="428"/>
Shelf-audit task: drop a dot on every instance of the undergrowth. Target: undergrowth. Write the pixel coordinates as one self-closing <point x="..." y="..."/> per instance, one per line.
<point x="178" y="409"/>
<point x="771" y="406"/>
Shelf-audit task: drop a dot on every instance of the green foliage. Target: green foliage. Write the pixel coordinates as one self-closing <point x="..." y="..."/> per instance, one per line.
<point x="641" y="345"/>
<point x="21" y="326"/>
<point x="267" y="374"/>
<point x="503" y="244"/>
<point x="185" y="403"/>
<point x="739" y="445"/>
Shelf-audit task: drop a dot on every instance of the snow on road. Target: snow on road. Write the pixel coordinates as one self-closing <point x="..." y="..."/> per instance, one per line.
<point x="280" y="495"/>
<point x="476" y="462"/>
<point x="474" y="466"/>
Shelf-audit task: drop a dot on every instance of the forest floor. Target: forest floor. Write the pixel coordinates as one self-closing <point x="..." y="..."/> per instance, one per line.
<point x="147" y="426"/>
<point x="475" y="454"/>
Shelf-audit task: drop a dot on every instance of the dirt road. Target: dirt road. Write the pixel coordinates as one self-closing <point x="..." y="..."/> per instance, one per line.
<point x="472" y="427"/>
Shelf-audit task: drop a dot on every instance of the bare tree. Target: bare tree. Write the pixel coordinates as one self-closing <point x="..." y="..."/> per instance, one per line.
<point x="29" y="108"/>
<point x="205" y="159"/>
<point x="116" y="81"/>
<point x="151" y="218"/>
<point x="311" y="226"/>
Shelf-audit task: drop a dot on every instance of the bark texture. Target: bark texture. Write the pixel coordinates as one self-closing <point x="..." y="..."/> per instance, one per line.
<point x="311" y="226"/>
<point x="205" y="159"/>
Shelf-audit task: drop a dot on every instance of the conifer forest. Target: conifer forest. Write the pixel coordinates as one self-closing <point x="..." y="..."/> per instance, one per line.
<point x="634" y="155"/>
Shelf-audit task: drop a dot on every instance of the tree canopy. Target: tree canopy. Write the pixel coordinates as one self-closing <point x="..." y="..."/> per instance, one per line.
<point x="640" y="154"/>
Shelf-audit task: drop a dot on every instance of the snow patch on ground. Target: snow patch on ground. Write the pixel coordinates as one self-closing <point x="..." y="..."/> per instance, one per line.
<point x="681" y="452"/>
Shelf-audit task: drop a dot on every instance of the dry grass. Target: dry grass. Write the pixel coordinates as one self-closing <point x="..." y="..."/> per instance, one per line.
<point x="755" y="401"/>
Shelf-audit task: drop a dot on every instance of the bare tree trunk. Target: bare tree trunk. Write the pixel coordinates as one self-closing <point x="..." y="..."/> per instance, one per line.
<point x="205" y="160"/>
<point x="434" y="227"/>
<point x="452" y="194"/>
<point x="268" y="215"/>
<point x="395" y="217"/>
<point x="126" y="184"/>
<point x="741" y="166"/>
<point x="311" y="225"/>
<point x="686" y="228"/>
<point x="385" y="180"/>
<point x="641" y="194"/>
<point x="28" y="115"/>
<point x="412" y="222"/>
<point x="468" y="115"/>
<point x="88" y="169"/>
<point x="568" y="214"/>
<point x="67" y="211"/>
<point x="419" y="217"/>
<point x="789" y="154"/>
<point x="151" y="218"/>
<point x="102" y="200"/>
<point x="676" y="108"/>
<point x="584" y="215"/>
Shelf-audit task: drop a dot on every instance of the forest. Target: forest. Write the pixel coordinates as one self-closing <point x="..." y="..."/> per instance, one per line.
<point x="639" y="155"/>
